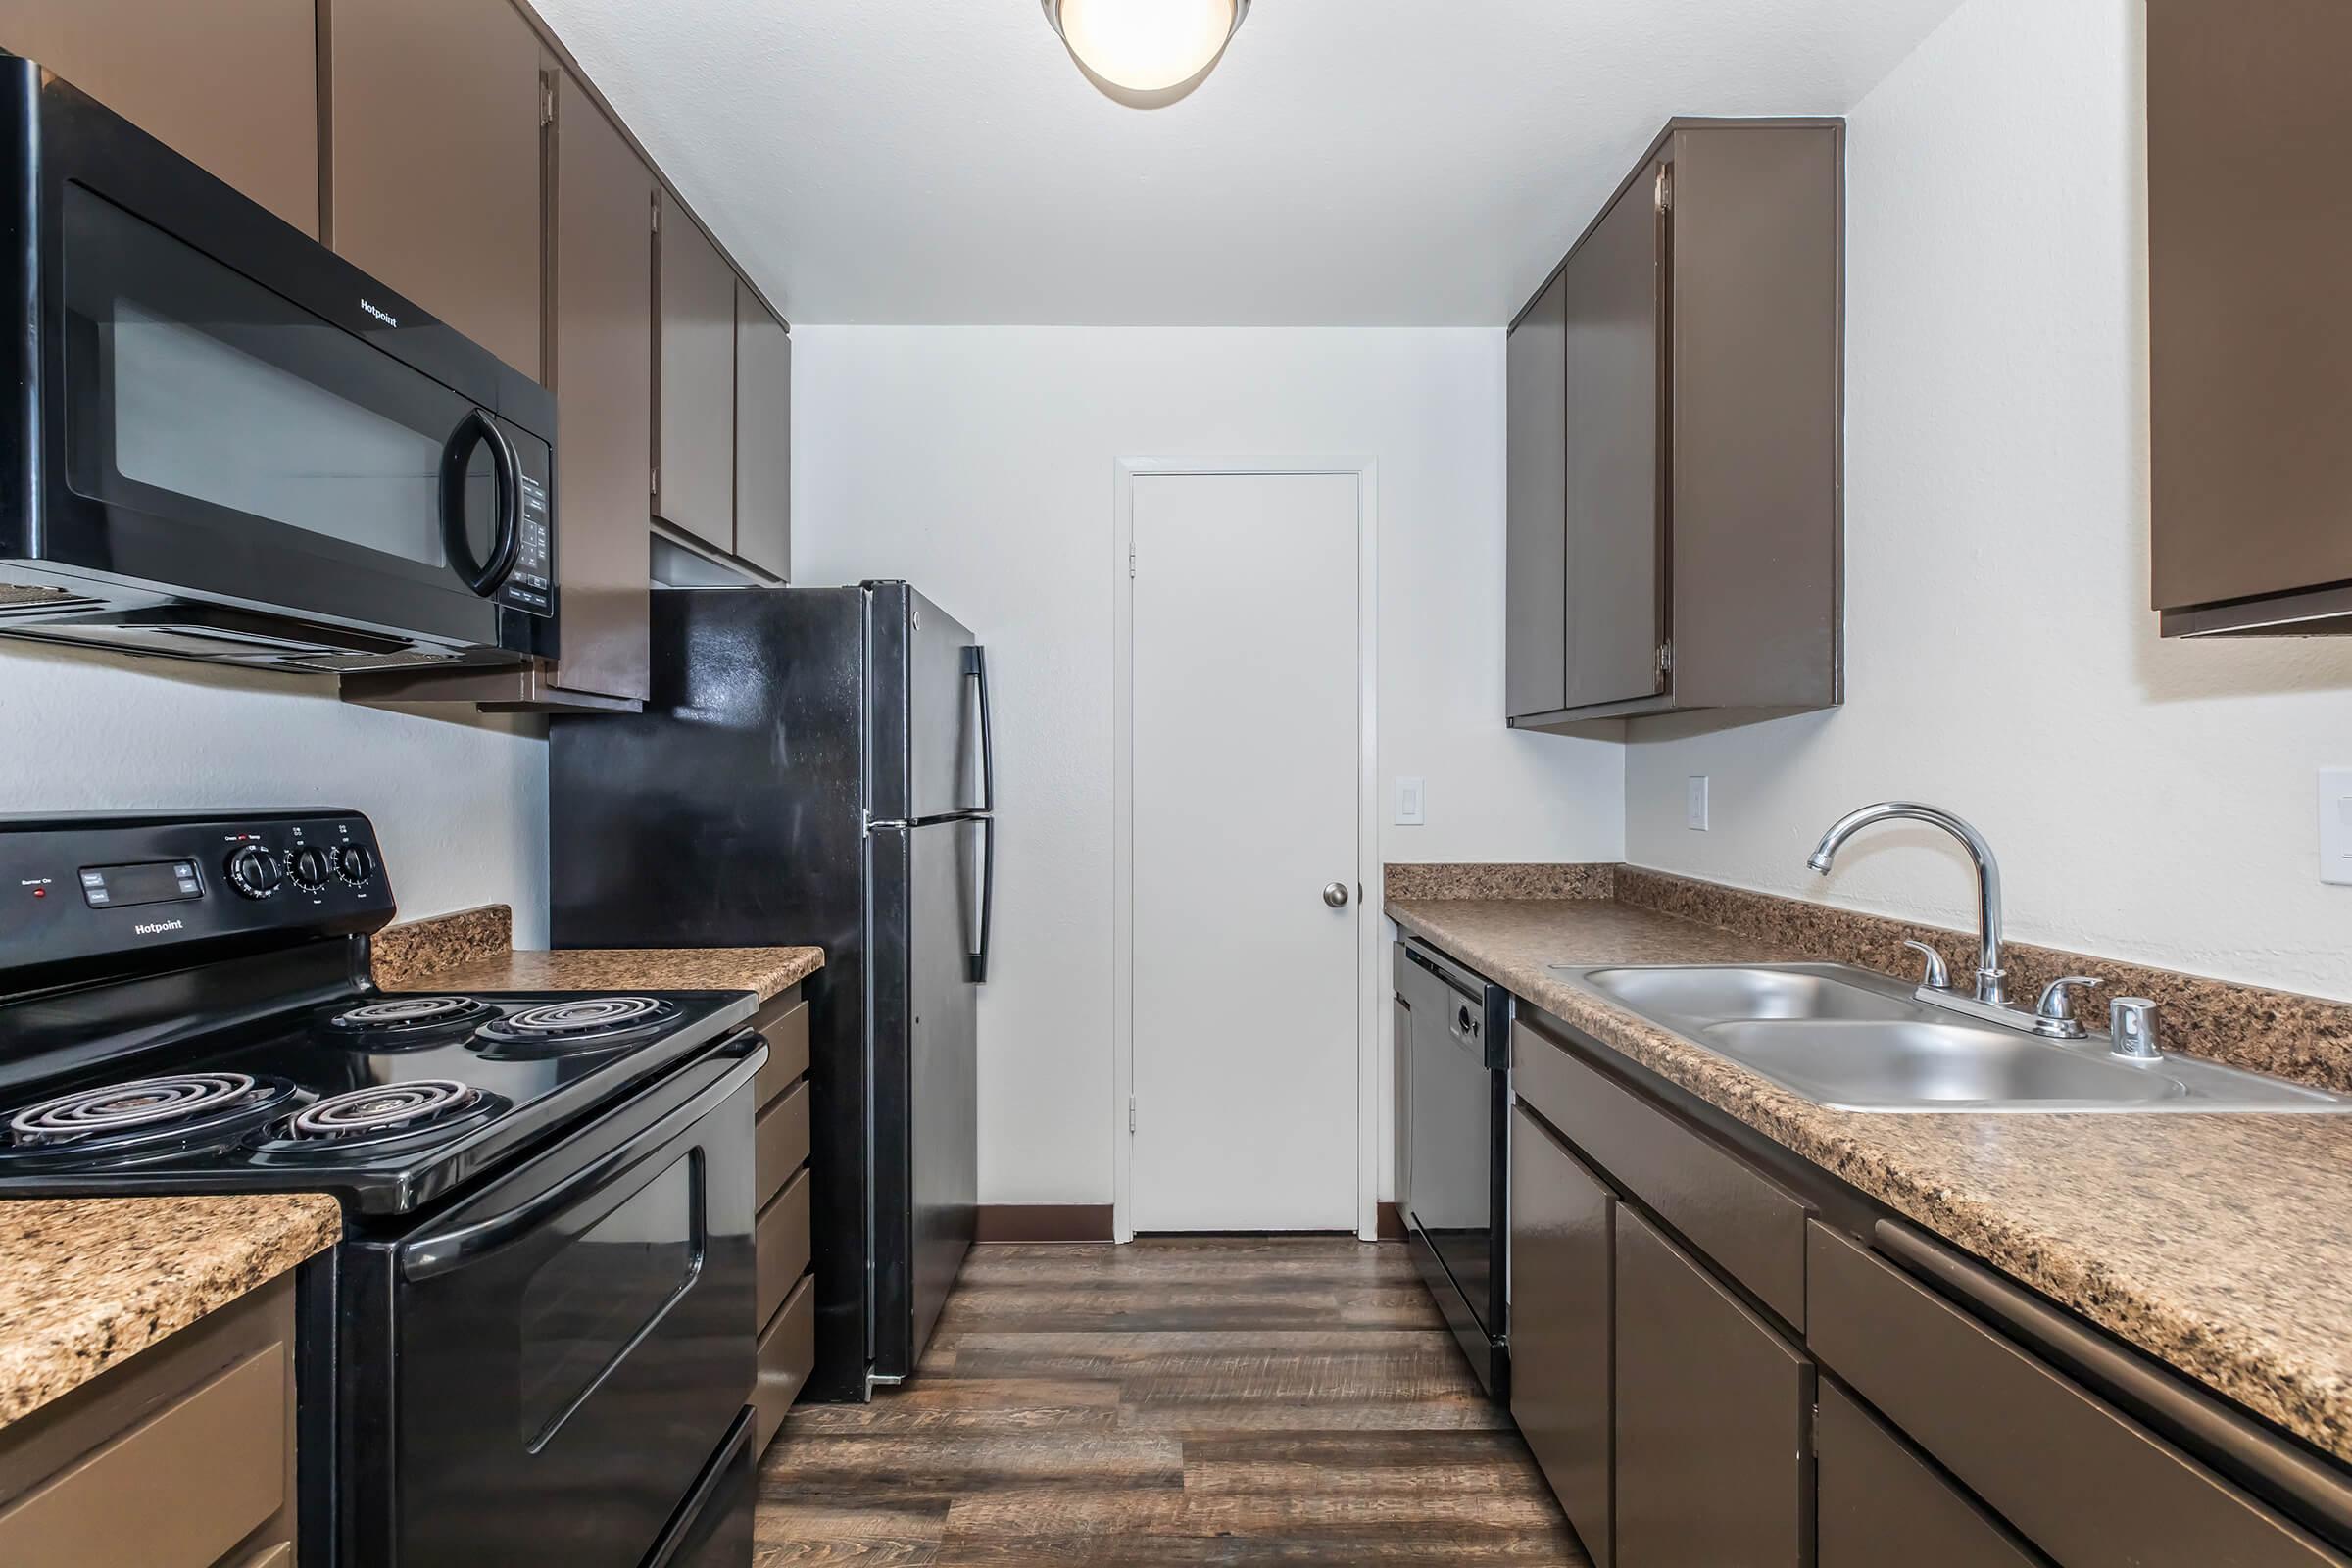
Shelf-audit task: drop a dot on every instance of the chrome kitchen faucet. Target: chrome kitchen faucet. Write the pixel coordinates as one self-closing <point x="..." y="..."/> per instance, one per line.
<point x="2051" y="1014"/>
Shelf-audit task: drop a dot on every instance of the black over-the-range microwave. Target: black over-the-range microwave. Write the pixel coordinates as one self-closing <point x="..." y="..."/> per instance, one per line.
<point x="228" y="443"/>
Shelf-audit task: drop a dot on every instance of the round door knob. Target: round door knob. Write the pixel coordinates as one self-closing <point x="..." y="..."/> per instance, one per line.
<point x="1336" y="895"/>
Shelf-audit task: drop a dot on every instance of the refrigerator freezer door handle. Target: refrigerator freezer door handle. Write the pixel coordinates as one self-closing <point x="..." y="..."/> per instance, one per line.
<point x="975" y="964"/>
<point x="975" y="667"/>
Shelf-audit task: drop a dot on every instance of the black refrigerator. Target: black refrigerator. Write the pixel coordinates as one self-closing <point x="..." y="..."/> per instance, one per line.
<point x="813" y="765"/>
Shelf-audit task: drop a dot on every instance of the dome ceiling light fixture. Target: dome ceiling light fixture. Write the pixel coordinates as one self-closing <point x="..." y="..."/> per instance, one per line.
<point x="1146" y="53"/>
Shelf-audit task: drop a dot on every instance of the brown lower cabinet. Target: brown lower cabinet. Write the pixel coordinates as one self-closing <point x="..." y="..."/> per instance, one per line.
<point x="1882" y="1503"/>
<point x="1794" y="1376"/>
<point x="781" y="1251"/>
<point x="1713" y="1460"/>
<point x="1563" y="1227"/>
<point x="180" y="1457"/>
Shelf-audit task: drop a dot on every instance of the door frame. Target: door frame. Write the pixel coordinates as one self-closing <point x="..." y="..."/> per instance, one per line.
<point x="1365" y="470"/>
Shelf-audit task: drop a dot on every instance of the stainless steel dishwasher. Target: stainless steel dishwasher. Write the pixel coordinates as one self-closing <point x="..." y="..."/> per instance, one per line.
<point x="1457" y="1171"/>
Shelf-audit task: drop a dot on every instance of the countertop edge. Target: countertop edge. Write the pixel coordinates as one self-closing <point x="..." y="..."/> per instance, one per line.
<point x="220" y="1249"/>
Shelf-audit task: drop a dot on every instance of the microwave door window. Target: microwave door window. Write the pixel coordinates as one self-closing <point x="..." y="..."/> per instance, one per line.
<point x="198" y="417"/>
<point x="197" y="396"/>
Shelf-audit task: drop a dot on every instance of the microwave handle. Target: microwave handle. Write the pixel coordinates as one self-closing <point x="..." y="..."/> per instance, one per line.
<point x="506" y="472"/>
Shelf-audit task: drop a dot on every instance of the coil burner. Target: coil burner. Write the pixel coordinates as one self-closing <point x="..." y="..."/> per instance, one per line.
<point x="388" y="1111"/>
<point x="147" y="1113"/>
<point x="413" y="1015"/>
<point x="579" y="1025"/>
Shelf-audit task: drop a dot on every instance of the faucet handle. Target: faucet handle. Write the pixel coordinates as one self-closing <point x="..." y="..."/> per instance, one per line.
<point x="1936" y="977"/>
<point x="2056" y="1004"/>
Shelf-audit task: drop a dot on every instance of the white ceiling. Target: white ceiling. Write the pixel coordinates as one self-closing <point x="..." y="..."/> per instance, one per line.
<point x="1351" y="162"/>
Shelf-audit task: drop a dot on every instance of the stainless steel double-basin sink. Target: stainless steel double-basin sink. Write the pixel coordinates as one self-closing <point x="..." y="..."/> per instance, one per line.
<point x="1851" y="1040"/>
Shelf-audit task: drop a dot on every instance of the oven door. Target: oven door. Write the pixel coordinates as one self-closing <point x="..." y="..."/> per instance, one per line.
<point x="573" y="1345"/>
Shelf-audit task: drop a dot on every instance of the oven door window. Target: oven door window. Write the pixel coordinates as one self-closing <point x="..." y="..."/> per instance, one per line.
<point x="197" y="396"/>
<point x="598" y="1294"/>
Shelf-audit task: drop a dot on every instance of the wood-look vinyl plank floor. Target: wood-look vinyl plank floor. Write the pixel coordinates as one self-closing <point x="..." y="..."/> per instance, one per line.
<point x="1172" y="1402"/>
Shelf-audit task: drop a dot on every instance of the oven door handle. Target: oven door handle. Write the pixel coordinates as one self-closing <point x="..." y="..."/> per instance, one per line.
<point x="460" y="1246"/>
<point x="478" y="427"/>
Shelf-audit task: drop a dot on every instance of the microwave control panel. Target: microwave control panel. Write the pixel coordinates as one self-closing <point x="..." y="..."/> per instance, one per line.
<point x="530" y="587"/>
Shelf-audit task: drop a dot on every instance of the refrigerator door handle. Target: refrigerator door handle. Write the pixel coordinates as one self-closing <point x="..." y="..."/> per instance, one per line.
<point x="975" y="667"/>
<point x="975" y="964"/>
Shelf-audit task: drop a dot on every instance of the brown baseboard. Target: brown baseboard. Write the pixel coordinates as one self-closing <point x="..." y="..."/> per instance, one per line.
<point x="1041" y="1222"/>
<point x="1390" y="1223"/>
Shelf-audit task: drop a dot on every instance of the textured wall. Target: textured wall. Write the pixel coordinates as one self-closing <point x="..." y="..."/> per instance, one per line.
<point x="2150" y="800"/>
<point x="462" y="807"/>
<point x="978" y="462"/>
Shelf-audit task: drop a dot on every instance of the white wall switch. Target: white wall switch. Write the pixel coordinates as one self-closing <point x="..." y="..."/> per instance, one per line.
<point x="2335" y="825"/>
<point x="1696" y="815"/>
<point x="1410" y="805"/>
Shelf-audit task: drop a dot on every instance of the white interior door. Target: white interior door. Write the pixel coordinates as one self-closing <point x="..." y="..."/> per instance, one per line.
<point x="1246" y="791"/>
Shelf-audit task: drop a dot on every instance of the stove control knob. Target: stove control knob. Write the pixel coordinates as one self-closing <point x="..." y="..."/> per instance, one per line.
<point x="255" y="872"/>
<point x="312" y="869"/>
<point x="354" y="864"/>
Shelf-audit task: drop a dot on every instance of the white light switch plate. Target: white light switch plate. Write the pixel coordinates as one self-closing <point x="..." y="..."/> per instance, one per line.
<point x="1411" y="804"/>
<point x="1695" y="812"/>
<point x="2335" y="825"/>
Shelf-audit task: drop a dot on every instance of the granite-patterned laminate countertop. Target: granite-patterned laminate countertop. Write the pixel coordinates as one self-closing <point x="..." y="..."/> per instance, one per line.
<point x="2218" y="1244"/>
<point x="473" y="950"/>
<point x="86" y="1282"/>
<point x="767" y="970"/>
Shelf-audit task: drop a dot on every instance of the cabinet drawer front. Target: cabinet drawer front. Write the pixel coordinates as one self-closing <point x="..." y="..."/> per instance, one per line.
<point x="787" y="1355"/>
<point x="1748" y="1224"/>
<point x="1712" y="1463"/>
<point x="2074" y="1475"/>
<point x="787" y="1054"/>
<point x="1561" y="1277"/>
<point x="1881" y="1503"/>
<point x="780" y="1243"/>
<point x="780" y="1143"/>
<point x="177" y="1490"/>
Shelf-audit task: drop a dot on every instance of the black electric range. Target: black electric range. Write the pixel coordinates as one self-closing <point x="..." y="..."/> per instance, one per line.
<point x="535" y="1344"/>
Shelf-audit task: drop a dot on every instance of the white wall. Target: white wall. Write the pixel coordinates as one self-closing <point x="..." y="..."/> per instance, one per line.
<point x="2150" y="800"/>
<point x="978" y="462"/>
<point x="461" y="807"/>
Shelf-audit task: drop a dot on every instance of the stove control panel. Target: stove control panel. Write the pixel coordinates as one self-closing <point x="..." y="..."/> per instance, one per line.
<point x="121" y="894"/>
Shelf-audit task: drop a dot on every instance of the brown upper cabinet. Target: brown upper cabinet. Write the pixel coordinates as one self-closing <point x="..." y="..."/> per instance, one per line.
<point x="1536" y="579"/>
<point x="762" y="436"/>
<point x="2249" y="323"/>
<point x="1676" y="392"/>
<point x="436" y="109"/>
<point x="694" y="452"/>
<point x="603" y="364"/>
<point x="229" y="84"/>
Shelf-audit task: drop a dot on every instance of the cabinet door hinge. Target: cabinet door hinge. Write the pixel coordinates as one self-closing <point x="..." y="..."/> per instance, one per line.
<point x="1665" y="188"/>
<point x="547" y="101"/>
<point x="1666" y="656"/>
<point x="1131" y="1114"/>
<point x="1131" y="562"/>
<point x="653" y="481"/>
<point x="656" y="205"/>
